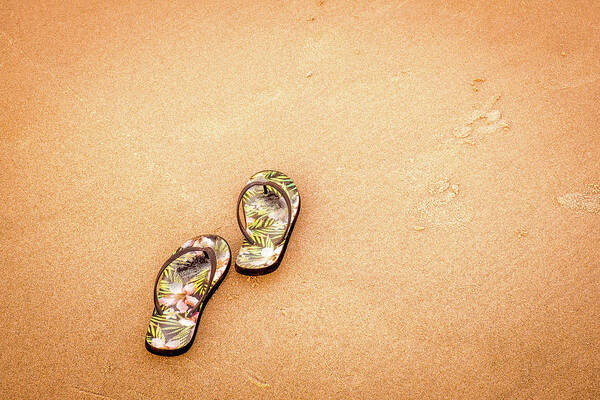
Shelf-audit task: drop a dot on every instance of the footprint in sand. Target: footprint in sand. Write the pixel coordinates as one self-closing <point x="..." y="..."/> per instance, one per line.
<point x="588" y="202"/>
<point x="267" y="95"/>
<point x="483" y="121"/>
<point x="443" y="206"/>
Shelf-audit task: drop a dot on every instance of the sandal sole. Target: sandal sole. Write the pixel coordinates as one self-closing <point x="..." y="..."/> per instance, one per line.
<point x="185" y="348"/>
<point x="275" y="265"/>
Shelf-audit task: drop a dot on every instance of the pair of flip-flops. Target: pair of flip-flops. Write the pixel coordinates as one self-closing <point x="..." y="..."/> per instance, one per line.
<point x="269" y="204"/>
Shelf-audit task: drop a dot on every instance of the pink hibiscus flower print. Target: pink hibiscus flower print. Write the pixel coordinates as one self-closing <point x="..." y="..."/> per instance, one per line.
<point x="190" y="321"/>
<point x="180" y="297"/>
<point x="161" y="344"/>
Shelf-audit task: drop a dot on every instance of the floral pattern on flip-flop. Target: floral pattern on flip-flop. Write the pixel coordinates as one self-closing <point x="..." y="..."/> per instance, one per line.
<point x="174" y="327"/>
<point x="264" y="222"/>
<point x="221" y="248"/>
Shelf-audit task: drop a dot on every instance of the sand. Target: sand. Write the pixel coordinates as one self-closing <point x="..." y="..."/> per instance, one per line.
<point x="446" y="153"/>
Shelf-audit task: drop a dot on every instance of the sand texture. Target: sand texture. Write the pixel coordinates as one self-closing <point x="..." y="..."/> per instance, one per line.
<point x="448" y="159"/>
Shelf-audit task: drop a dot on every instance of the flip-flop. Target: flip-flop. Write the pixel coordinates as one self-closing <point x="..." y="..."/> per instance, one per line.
<point x="183" y="286"/>
<point x="270" y="203"/>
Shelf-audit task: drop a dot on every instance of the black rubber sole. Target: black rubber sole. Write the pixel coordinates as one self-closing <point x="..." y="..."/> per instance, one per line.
<point x="275" y="265"/>
<point x="185" y="348"/>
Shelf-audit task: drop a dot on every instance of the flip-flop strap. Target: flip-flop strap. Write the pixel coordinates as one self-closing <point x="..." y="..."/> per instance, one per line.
<point x="285" y="197"/>
<point x="213" y="266"/>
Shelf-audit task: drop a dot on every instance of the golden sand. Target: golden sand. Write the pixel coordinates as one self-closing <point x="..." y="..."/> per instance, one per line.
<point x="446" y="154"/>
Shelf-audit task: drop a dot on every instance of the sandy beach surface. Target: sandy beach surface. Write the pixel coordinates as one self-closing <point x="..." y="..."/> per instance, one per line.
<point x="448" y="159"/>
